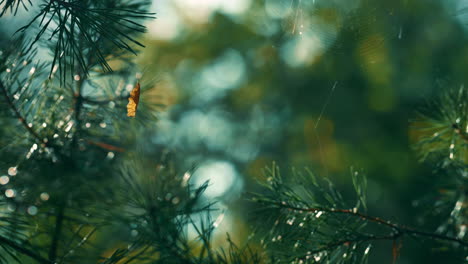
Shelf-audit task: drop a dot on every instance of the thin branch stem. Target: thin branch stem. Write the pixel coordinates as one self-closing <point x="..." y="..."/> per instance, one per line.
<point x="399" y="229"/>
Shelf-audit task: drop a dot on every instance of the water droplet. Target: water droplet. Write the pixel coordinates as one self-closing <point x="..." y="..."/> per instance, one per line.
<point x="218" y="221"/>
<point x="129" y="87"/>
<point x="8" y="70"/>
<point x="185" y="178"/>
<point x="301" y="224"/>
<point x="69" y="126"/>
<point x="134" y="233"/>
<point x="110" y="155"/>
<point x="32" y="210"/>
<point x="88" y="125"/>
<point x="76" y="77"/>
<point x="279" y="237"/>
<point x="291" y="221"/>
<point x="44" y="196"/>
<point x="458" y="206"/>
<point x="103" y="125"/>
<point x="12" y="171"/>
<point x="4" y="180"/>
<point x="367" y="250"/>
<point x="10" y="193"/>
<point x="32" y="71"/>
<point x="318" y="214"/>
<point x="175" y="200"/>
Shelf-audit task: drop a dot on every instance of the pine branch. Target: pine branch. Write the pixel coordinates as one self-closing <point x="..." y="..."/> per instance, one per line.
<point x="335" y="244"/>
<point x="399" y="229"/>
<point x="13" y="5"/>
<point x="324" y="228"/>
<point x="105" y="27"/>
<point x="20" y="117"/>
<point x="24" y="251"/>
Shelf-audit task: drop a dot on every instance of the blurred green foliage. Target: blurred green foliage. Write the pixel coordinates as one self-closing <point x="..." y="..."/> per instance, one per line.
<point x="387" y="58"/>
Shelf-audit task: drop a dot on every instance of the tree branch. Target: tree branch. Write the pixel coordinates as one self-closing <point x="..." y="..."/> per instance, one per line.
<point x="399" y="229"/>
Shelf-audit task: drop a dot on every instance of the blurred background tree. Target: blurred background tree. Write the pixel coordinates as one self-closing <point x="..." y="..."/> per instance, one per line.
<point x="228" y="87"/>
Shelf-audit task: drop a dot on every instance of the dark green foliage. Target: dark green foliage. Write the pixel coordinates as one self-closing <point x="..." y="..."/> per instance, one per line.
<point x="83" y="33"/>
<point x="442" y="141"/>
<point x="13" y="5"/>
<point x="442" y="129"/>
<point x="310" y="222"/>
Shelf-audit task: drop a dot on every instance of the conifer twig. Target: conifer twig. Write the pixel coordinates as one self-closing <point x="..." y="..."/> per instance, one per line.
<point x="399" y="229"/>
<point x="20" y="117"/>
<point x="27" y="252"/>
<point x="335" y="244"/>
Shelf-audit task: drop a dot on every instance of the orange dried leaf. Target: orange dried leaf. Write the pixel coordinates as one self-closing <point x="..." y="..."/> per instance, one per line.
<point x="133" y="100"/>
